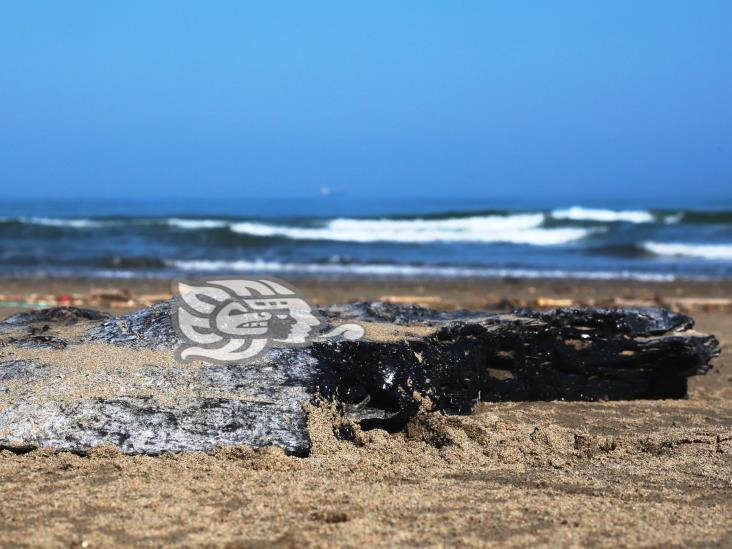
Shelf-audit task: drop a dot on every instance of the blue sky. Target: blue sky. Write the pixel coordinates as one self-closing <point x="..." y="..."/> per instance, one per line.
<point x="371" y="98"/>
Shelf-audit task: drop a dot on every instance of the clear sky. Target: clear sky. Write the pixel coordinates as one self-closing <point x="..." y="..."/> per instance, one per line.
<point x="417" y="98"/>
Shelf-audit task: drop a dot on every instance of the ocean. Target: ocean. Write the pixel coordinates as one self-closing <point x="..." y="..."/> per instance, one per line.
<point x="330" y="236"/>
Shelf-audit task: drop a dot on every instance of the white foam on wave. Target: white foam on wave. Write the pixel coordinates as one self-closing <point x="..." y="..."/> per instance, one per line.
<point x="61" y="222"/>
<point x="516" y="229"/>
<point x="81" y="223"/>
<point x="578" y="213"/>
<point x="696" y="251"/>
<point x="673" y="219"/>
<point x="377" y="269"/>
<point x="193" y="224"/>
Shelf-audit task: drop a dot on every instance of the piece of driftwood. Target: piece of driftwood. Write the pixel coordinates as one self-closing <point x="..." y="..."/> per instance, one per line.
<point x="73" y="378"/>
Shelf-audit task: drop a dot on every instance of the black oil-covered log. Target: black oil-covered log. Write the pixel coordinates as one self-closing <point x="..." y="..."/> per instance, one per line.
<point x="72" y="378"/>
<point x="566" y="354"/>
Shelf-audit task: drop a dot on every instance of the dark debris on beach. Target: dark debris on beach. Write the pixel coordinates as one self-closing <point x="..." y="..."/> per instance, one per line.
<point x="450" y="362"/>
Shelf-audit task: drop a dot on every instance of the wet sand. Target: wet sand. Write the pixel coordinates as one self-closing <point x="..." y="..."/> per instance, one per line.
<point x="514" y="474"/>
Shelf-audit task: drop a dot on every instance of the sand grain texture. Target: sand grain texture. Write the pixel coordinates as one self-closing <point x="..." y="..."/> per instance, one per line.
<point x="513" y="474"/>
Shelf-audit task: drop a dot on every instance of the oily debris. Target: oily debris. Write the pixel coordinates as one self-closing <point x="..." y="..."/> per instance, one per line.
<point x="514" y="474"/>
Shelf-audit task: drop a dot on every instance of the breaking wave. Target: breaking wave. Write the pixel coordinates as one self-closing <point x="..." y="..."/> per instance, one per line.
<point x="58" y="222"/>
<point x="578" y="213"/>
<point x="696" y="251"/>
<point x="379" y="269"/>
<point x="194" y="224"/>
<point x="577" y="241"/>
<point x="516" y="229"/>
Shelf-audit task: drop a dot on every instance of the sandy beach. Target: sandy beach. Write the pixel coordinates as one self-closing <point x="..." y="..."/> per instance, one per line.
<point x="514" y="474"/>
<point x="459" y="274"/>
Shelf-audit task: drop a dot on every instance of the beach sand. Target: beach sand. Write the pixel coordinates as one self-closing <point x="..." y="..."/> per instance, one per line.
<point x="515" y="474"/>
